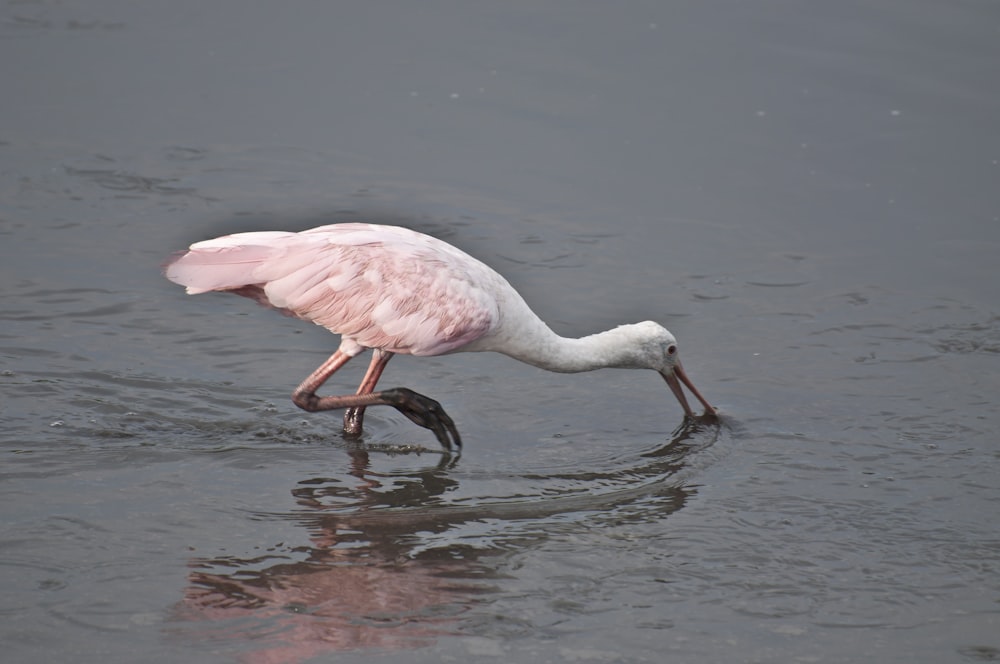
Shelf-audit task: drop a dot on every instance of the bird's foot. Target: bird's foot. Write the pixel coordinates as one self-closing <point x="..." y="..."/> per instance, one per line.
<point x="709" y="418"/>
<point x="425" y="412"/>
<point x="711" y="415"/>
<point x="354" y="421"/>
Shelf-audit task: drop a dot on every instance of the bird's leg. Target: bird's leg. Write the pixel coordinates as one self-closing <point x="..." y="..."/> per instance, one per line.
<point x="355" y="416"/>
<point x="304" y="395"/>
<point x="421" y="410"/>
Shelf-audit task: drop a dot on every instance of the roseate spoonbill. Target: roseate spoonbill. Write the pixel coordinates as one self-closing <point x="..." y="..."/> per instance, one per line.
<point x="395" y="290"/>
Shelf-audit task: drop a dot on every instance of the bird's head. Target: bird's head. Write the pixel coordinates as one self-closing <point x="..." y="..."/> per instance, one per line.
<point x="660" y="352"/>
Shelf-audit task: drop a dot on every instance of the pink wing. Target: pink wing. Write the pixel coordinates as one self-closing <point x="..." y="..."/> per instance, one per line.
<point x="381" y="286"/>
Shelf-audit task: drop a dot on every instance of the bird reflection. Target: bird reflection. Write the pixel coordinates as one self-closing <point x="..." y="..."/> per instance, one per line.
<point x="390" y="563"/>
<point x="357" y="585"/>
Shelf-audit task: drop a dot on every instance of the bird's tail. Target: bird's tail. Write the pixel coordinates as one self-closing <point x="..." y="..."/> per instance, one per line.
<point x="228" y="263"/>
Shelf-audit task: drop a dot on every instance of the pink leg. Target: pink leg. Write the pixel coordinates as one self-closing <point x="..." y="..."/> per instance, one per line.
<point x="421" y="410"/>
<point x="355" y="416"/>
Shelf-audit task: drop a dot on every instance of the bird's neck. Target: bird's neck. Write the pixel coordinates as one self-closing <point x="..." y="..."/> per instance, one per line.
<point x="547" y="350"/>
<point x="521" y="334"/>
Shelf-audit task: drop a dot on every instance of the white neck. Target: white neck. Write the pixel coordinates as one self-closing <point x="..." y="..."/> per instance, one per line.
<point x="547" y="350"/>
<point x="521" y="334"/>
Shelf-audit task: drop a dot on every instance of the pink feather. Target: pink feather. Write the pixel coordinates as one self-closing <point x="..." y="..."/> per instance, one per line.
<point x="380" y="286"/>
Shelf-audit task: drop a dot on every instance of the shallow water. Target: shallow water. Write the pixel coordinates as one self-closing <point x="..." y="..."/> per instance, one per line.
<point x="806" y="195"/>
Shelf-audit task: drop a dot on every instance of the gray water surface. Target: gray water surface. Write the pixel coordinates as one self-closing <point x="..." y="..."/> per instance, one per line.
<point x="807" y="194"/>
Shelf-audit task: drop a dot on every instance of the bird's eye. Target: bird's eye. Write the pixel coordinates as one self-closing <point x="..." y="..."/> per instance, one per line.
<point x="671" y="350"/>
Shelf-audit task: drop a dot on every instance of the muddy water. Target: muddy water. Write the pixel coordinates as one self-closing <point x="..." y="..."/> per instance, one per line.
<point x="805" y="195"/>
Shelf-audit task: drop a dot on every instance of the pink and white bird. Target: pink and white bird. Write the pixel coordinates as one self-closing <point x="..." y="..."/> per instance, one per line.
<point x="395" y="290"/>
